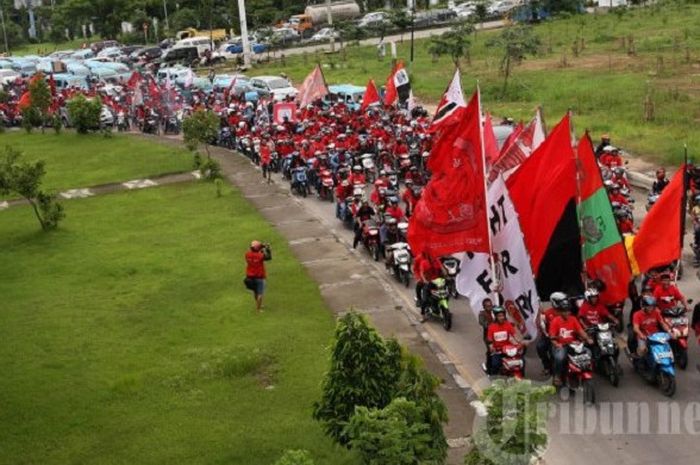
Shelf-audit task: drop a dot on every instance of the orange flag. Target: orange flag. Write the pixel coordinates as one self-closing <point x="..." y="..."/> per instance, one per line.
<point x="371" y="96"/>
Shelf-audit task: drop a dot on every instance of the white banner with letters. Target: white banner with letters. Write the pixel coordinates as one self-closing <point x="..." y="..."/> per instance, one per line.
<point x="514" y="281"/>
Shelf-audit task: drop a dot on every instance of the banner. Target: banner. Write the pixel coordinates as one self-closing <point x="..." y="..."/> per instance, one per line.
<point x="514" y="280"/>
<point x="313" y="88"/>
<point x="284" y="111"/>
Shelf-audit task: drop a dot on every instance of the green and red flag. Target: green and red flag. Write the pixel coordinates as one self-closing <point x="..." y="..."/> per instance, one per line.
<point x="603" y="250"/>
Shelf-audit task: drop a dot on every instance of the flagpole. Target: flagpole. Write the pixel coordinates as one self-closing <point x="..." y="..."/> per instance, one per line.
<point x="544" y="124"/>
<point x="684" y="206"/>
<point x="492" y="264"/>
<point x="582" y="243"/>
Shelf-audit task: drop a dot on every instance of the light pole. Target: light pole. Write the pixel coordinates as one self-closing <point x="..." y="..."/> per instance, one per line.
<point x="165" y="10"/>
<point x="413" y="23"/>
<point x="244" y="34"/>
<point x="329" y="12"/>
<point x="4" y="32"/>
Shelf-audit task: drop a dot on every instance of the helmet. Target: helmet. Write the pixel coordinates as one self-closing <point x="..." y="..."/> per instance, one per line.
<point x="357" y="168"/>
<point x="590" y="293"/>
<point x="390" y="221"/>
<point x="496" y="310"/>
<point x="648" y="301"/>
<point x="560" y="300"/>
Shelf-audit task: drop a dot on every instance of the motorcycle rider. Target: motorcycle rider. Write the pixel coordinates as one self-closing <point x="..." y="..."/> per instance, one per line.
<point x="394" y="210"/>
<point x="425" y="270"/>
<point x="667" y="295"/>
<point x="544" y="319"/>
<point x="592" y="311"/>
<point x="563" y="330"/>
<point x="364" y="213"/>
<point x="646" y="323"/>
<point x="499" y="333"/>
<point x="660" y="182"/>
<point x="486" y="317"/>
<point x="389" y="233"/>
<point x="604" y="142"/>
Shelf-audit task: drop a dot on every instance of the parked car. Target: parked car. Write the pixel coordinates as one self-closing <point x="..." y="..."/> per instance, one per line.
<point x="349" y="94"/>
<point x="172" y="72"/>
<point x="65" y="81"/>
<point x="501" y="7"/>
<point x="237" y="47"/>
<point x="374" y="19"/>
<point x="325" y="34"/>
<point x="181" y="55"/>
<point x="276" y="86"/>
<point x="284" y="36"/>
<point x="96" y="47"/>
<point x="8" y="76"/>
<point x="146" y="54"/>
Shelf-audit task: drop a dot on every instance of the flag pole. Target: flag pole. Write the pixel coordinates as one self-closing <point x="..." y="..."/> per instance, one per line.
<point x="684" y="206"/>
<point x="584" y="271"/>
<point x="492" y="264"/>
<point x="544" y="124"/>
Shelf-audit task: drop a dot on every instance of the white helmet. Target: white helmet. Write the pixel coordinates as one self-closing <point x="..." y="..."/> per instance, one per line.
<point x="590" y="293"/>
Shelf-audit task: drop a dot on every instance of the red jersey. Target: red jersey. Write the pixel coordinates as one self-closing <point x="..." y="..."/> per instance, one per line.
<point x="593" y="314"/>
<point x="255" y="266"/>
<point x="565" y="331"/>
<point x="425" y="267"/>
<point x="649" y="323"/>
<point x="499" y="334"/>
<point x="395" y="212"/>
<point x="666" y="298"/>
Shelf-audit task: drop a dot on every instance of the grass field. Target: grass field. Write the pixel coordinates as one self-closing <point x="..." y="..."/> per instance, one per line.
<point x="605" y="85"/>
<point x="44" y="48"/>
<point x="74" y="160"/>
<point x="128" y="337"/>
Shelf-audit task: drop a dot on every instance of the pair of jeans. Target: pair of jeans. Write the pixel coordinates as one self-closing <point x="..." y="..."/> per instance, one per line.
<point x="559" y="356"/>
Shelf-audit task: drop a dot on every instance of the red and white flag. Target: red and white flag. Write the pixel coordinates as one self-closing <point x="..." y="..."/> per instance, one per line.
<point x="398" y="86"/>
<point x="283" y="112"/>
<point x="452" y="100"/>
<point x="371" y="96"/>
<point x="518" y="149"/>
<point x="313" y="88"/>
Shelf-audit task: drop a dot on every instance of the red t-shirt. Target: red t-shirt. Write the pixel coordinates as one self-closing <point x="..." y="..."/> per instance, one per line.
<point x="565" y="331"/>
<point x="499" y="334"/>
<point x="593" y="314"/>
<point x="255" y="266"/>
<point x="425" y="267"/>
<point x="649" y="323"/>
<point x="672" y="294"/>
<point x="395" y="212"/>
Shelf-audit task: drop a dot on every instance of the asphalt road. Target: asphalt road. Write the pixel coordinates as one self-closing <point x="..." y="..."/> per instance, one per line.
<point x="631" y="424"/>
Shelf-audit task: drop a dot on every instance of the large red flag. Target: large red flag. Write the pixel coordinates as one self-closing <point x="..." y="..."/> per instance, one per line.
<point x="542" y="187"/>
<point x="313" y="87"/>
<point x="398" y="86"/>
<point x="490" y="142"/>
<point x="658" y="241"/>
<point x="440" y="156"/>
<point x="25" y="101"/>
<point x="371" y="96"/>
<point x="451" y="214"/>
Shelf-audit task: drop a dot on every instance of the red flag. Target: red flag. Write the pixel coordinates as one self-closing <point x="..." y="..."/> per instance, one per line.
<point x="398" y="87"/>
<point x="658" y="241"/>
<point x="25" y="101"/>
<point x="520" y="145"/>
<point x="541" y="188"/>
<point x="451" y="214"/>
<point x="284" y="111"/>
<point x="134" y="80"/>
<point x="450" y="103"/>
<point x="231" y="88"/>
<point x="153" y="89"/>
<point x="490" y="142"/>
<point x="371" y="96"/>
<point x="313" y="88"/>
<point x="440" y="155"/>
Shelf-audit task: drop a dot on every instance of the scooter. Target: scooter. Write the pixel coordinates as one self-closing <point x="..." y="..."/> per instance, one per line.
<point x="367" y="161"/>
<point x="452" y="268"/>
<point x="399" y="258"/>
<point x="325" y="190"/>
<point x="658" y="365"/>
<point x="370" y="239"/>
<point x="512" y="363"/>
<point x="677" y="319"/>
<point x="299" y="181"/>
<point x="435" y="303"/>
<point x="605" y="352"/>
<point x="579" y="370"/>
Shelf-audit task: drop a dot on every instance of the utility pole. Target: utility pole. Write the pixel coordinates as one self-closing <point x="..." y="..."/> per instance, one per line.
<point x="329" y="12"/>
<point x="413" y="24"/>
<point x="165" y="10"/>
<point x="244" y="34"/>
<point x="4" y="32"/>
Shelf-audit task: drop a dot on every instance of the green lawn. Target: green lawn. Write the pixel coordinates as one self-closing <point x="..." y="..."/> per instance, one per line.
<point x="44" y="48"/>
<point x="604" y="86"/>
<point x="128" y="337"/>
<point x="74" y="160"/>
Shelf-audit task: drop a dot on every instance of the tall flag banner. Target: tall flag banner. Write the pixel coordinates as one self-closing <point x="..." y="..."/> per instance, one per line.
<point x="371" y="96"/>
<point x="313" y="88"/>
<point x="451" y="213"/>
<point x="542" y="187"/>
<point x="440" y="159"/>
<point x="514" y="282"/>
<point x="518" y="149"/>
<point x="450" y="103"/>
<point x="603" y="250"/>
<point x="398" y="86"/>
<point x="658" y="241"/>
<point x="231" y="89"/>
<point x="490" y="142"/>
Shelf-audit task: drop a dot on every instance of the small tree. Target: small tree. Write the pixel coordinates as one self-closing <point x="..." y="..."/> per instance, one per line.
<point x="394" y="435"/>
<point x="513" y="431"/>
<point x="24" y="179"/>
<point x="364" y="372"/>
<point x="456" y="43"/>
<point x="40" y="97"/>
<point x="84" y="113"/>
<point x="516" y="43"/>
<point x="295" y="457"/>
<point x="202" y="127"/>
<point x="480" y="13"/>
<point x="401" y="19"/>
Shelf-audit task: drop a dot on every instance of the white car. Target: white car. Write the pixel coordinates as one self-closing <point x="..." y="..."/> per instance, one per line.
<point x="376" y="18"/>
<point x="502" y="7"/>
<point x="325" y="35"/>
<point x="7" y="76"/>
<point x="279" y="87"/>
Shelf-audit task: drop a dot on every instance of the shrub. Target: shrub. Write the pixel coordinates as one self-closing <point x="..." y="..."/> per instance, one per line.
<point x="295" y="457"/>
<point x="84" y="113"/>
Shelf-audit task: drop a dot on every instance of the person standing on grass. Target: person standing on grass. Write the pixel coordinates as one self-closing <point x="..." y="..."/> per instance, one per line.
<point x="255" y="259"/>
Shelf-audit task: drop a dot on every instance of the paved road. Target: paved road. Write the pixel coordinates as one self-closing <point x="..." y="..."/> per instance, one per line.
<point x="464" y="347"/>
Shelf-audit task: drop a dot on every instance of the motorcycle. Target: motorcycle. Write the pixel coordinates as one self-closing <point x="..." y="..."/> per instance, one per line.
<point x="512" y="364"/>
<point x="122" y="124"/>
<point x="652" y="198"/>
<point x="299" y="181"/>
<point x="172" y="126"/>
<point x="435" y="303"/>
<point x="399" y="258"/>
<point x="677" y="319"/>
<point x="325" y="187"/>
<point x="605" y="352"/>
<point x="402" y="226"/>
<point x="658" y="365"/>
<point x="367" y="162"/>
<point x="151" y="124"/>
<point x="452" y="268"/>
<point x="617" y="310"/>
<point x="370" y="239"/>
<point x="579" y="370"/>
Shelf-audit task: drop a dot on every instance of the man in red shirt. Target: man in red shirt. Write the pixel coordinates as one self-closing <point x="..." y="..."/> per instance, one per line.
<point x="255" y="270"/>
<point x="563" y="330"/>
<point x="592" y="311"/>
<point x="499" y="333"/>
<point x="425" y="269"/>
<point x="667" y="294"/>
<point x="394" y="210"/>
<point x="646" y="323"/>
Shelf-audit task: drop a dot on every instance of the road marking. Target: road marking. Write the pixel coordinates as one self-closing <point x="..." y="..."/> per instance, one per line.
<point x="77" y="194"/>
<point x="139" y="183"/>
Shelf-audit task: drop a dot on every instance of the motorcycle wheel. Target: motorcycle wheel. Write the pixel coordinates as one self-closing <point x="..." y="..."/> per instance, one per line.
<point x="667" y="384"/>
<point x="375" y="253"/>
<point x="446" y="319"/>
<point x="682" y="359"/>
<point x="613" y="372"/>
<point x="588" y="392"/>
<point x="406" y="278"/>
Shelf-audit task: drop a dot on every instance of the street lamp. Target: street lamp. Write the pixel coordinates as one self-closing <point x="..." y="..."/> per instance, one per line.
<point x="244" y="33"/>
<point x="413" y="23"/>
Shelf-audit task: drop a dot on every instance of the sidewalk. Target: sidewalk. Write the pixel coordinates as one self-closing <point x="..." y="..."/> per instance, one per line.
<point x="345" y="281"/>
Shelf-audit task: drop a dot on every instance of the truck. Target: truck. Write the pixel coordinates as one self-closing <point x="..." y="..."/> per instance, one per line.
<point x="217" y="35"/>
<point x="316" y="16"/>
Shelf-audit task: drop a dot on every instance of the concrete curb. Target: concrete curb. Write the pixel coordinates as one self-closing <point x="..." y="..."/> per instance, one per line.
<point x="639" y="180"/>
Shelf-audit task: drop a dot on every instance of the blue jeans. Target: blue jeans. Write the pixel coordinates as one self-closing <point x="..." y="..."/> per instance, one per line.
<point x="494" y="363"/>
<point x="559" y="356"/>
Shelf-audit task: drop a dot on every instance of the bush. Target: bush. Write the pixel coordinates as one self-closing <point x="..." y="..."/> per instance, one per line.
<point x="84" y="113"/>
<point x="295" y="457"/>
<point x="56" y="123"/>
<point x="202" y="127"/>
